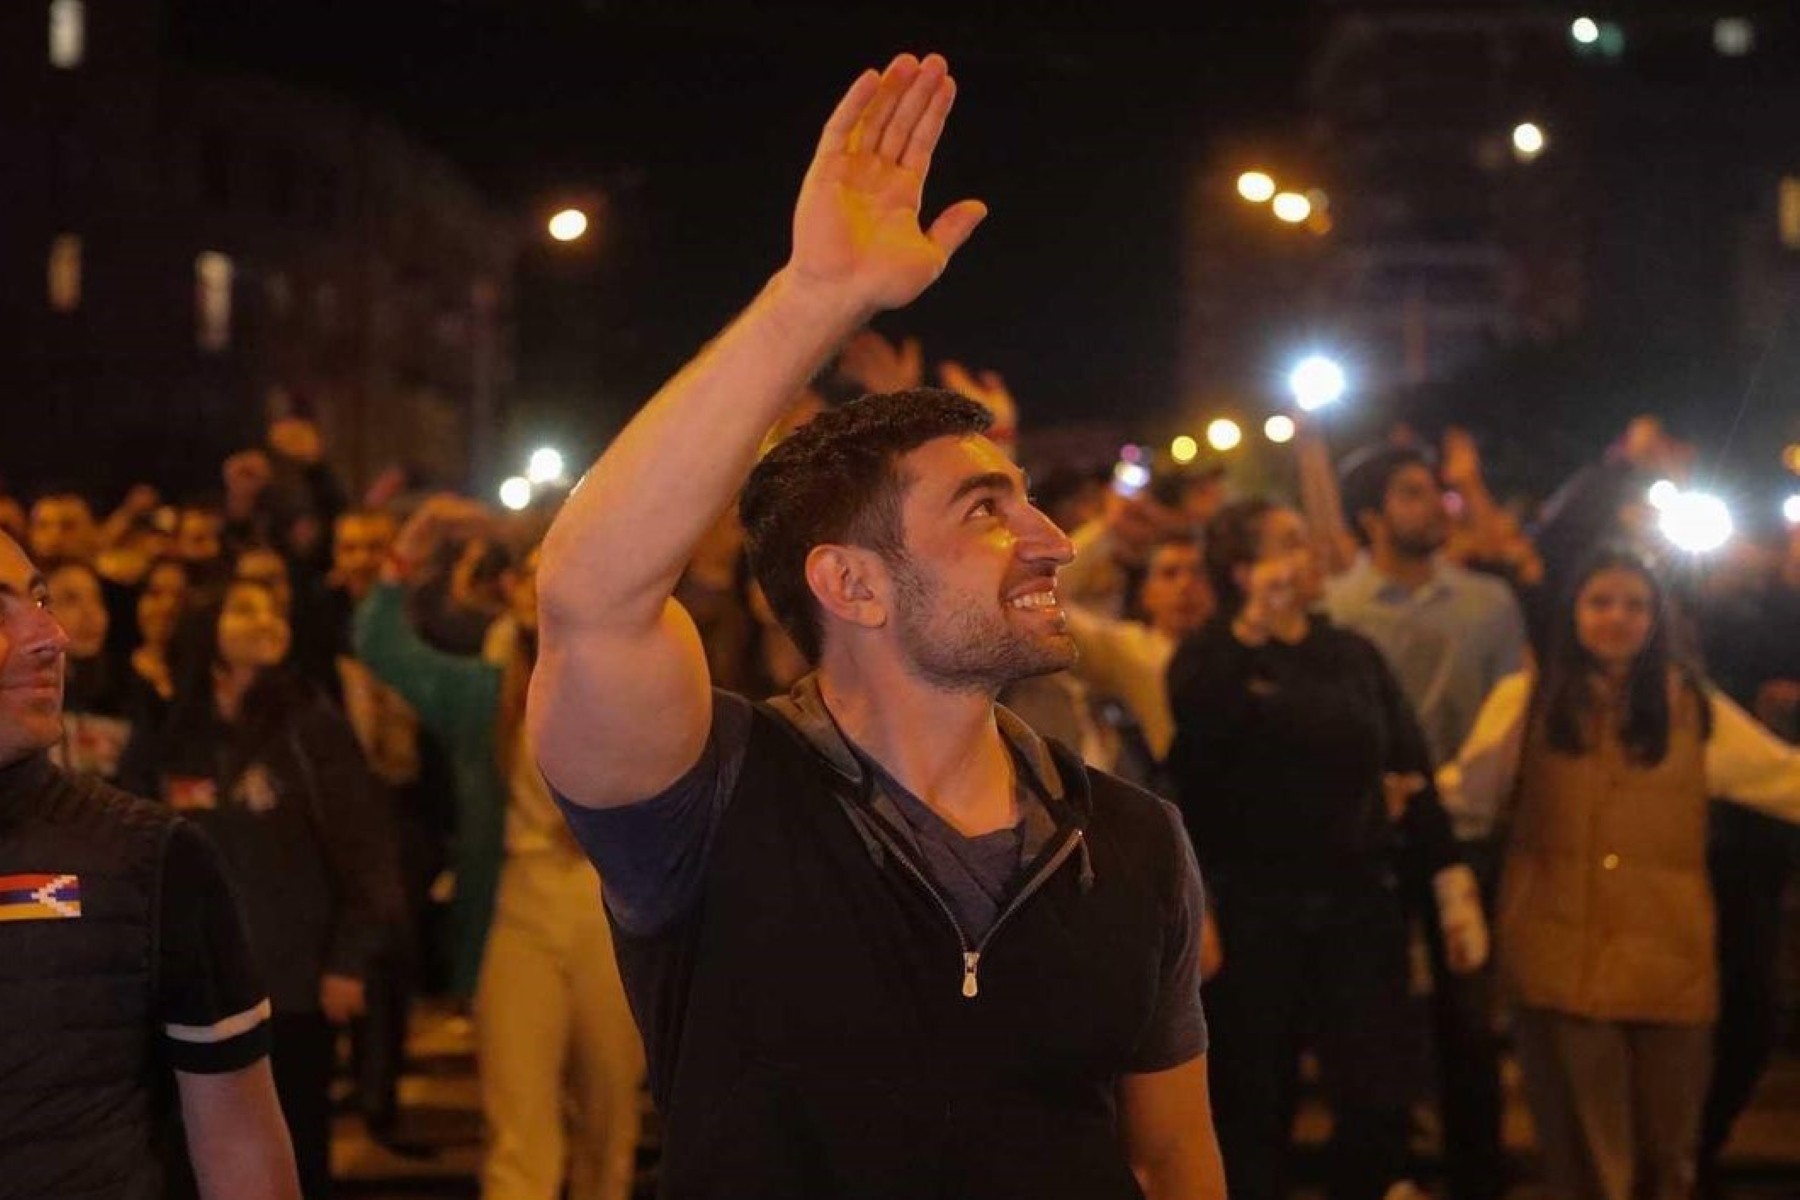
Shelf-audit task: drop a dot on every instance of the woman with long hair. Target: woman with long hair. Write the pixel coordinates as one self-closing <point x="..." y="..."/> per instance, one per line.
<point x="271" y="770"/>
<point x="160" y="602"/>
<point x="558" y="1056"/>
<point x="107" y="709"/>
<point x="1600" y="769"/>
<point x="1301" y="772"/>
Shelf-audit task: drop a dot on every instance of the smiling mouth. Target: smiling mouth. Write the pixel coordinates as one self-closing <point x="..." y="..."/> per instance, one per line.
<point x="1045" y="601"/>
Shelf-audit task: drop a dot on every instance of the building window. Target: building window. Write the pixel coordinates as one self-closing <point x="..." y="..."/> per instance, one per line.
<point x="212" y="301"/>
<point x="64" y="275"/>
<point x="68" y="33"/>
<point x="1789" y="212"/>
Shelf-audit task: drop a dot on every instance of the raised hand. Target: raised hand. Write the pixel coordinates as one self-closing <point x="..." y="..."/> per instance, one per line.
<point x="988" y="390"/>
<point x="857" y="230"/>
<point x="877" y="365"/>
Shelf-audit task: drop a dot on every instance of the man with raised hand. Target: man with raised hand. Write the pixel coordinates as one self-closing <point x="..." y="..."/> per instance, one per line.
<point x="881" y="940"/>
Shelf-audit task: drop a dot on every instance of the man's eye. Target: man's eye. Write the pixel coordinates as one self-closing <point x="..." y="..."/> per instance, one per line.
<point x="983" y="508"/>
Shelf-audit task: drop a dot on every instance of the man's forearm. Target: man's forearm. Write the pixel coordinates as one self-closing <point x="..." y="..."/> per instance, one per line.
<point x="621" y="540"/>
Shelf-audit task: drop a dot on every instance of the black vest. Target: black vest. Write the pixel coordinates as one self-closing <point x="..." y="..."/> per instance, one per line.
<point x="808" y="1029"/>
<point x="78" y="1078"/>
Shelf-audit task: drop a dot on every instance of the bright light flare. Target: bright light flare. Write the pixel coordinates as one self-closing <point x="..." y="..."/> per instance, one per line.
<point x="1528" y="141"/>
<point x="1316" y="381"/>
<point x="568" y="225"/>
<point x="1696" y="522"/>
<point x="1279" y="428"/>
<point x="1223" y="434"/>
<point x="1585" y="30"/>
<point x="1662" y="494"/>
<point x="1790" y="509"/>
<point x="1184" y="449"/>
<point x="1255" y="186"/>
<point x="544" y="466"/>
<point x="515" y="493"/>
<point x="1292" y="207"/>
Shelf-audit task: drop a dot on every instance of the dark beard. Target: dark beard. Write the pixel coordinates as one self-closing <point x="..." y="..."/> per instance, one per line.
<point x="971" y="658"/>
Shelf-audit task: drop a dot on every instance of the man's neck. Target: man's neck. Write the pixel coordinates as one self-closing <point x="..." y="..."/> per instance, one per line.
<point x="1409" y="571"/>
<point x="944" y="747"/>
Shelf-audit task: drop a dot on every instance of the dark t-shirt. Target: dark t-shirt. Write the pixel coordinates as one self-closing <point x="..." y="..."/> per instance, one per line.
<point x="652" y="859"/>
<point x="212" y="1008"/>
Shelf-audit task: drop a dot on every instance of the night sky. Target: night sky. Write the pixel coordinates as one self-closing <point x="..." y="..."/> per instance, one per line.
<point x="700" y="120"/>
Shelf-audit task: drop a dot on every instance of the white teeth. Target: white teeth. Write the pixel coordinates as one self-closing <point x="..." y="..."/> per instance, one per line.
<point x="1036" y="600"/>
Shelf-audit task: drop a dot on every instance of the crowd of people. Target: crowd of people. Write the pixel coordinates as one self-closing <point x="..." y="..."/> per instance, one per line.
<point x="1251" y="751"/>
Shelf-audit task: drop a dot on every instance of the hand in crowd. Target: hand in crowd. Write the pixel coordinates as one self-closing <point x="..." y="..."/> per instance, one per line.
<point x="1460" y="919"/>
<point x="1398" y="790"/>
<point x="876" y="364"/>
<point x="1272" y="596"/>
<point x="246" y="475"/>
<point x="1460" y="465"/>
<point x="342" y="998"/>
<point x="987" y="389"/>
<point x="1138" y="522"/>
<point x="441" y="517"/>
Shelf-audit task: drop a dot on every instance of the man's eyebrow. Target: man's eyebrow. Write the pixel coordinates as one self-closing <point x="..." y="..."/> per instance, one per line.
<point x="33" y="587"/>
<point x="998" y="481"/>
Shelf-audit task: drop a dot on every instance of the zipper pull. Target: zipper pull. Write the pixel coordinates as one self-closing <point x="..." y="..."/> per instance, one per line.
<point x="971" y="960"/>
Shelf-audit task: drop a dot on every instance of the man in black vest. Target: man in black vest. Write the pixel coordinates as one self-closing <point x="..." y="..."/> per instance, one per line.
<point x="882" y="941"/>
<point x="123" y="964"/>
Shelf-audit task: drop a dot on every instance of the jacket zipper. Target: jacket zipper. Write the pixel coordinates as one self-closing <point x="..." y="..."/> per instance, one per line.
<point x="971" y="959"/>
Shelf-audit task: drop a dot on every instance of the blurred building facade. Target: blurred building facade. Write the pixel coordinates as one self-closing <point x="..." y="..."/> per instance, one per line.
<point x="188" y="255"/>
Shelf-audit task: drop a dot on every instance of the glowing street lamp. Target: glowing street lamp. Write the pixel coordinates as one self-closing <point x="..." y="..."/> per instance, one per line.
<point x="1585" y="30"/>
<point x="515" y="493"/>
<point x="1528" y="141"/>
<point x="568" y="225"/>
<point x="1316" y="381"/>
<point x="1696" y="522"/>
<point x="544" y="466"/>
<point x="1255" y="186"/>
<point x="1279" y="428"/>
<point x="1662" y="494"/>
<point x="1292" y="207"/>
<point x="1223" y="434"/>
<point x="1184" y="449"/>
<point x="1790" y="509"/>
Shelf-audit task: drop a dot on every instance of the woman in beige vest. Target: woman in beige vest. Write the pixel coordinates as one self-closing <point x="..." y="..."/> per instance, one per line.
<point x="1603" y="768"/>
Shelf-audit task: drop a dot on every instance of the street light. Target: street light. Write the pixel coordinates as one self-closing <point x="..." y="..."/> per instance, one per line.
<point x="1696" y="522"/>
<point x="1255" y="186"/>
<point x="1528" y="141"/>
<point x="515" y="493"/>
<point x="568" y="225"/>
<point x="1662" y="494"/>
<point x="544" y="466"/>
<point x="1279" y="428"/>
<point x="1316" y="381"/>
<point x="1790" y="509"/>
<point x="1184" y="449"/>
<point x="1585" y="30"/>
<point x="1223" y="434"/>
<point x="1292" y="207"/>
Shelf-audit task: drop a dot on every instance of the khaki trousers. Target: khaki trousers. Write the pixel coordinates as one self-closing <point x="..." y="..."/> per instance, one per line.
<point x="1616" y="1104"/>
<point x="560" y="1061"/>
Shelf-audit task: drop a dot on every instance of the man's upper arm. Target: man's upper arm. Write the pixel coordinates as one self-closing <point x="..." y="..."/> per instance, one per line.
<point x="614" y="718"/>
<point x="1165" y="1122"/>
<point x="236" y="1137"/>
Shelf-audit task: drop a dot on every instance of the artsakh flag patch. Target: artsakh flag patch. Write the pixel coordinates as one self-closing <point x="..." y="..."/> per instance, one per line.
<point x="39" y="897"/>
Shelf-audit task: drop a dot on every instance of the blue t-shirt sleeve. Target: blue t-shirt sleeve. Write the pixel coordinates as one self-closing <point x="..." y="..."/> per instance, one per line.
<point x="652" y="855"/>
<point x="1177" y="1033"/>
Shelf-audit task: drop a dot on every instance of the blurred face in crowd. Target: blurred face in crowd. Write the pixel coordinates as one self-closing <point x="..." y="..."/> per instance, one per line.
<point x="520" y="584"/>
<point x="63" y="527"/>
<point x="974" y="602"/>
<point x="160" y="603"/>
<point x="32" y="646"/>
<point x="1176" y="596"/>
<point x="264" y="566"/>
<point x="12" y="518"/>
<point x="75" y="599"/>
<point x="359" y="544"/>
<point x="253" y="633"/>
<point x="1413" y="513"/>
<point x="1286" y="547"/>
<point x="1615" y="611"/>
<point x="198" y="533"/>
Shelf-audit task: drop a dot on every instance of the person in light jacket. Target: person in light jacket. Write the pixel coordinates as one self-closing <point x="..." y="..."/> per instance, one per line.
<point x="1601" y="770"/>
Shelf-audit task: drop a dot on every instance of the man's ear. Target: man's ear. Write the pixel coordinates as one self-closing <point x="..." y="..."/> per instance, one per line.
<point x="850" y="583"/>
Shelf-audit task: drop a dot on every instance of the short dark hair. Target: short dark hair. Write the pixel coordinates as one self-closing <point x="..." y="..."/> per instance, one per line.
<point x="836" y="479"/>
<point x="1364" y="476"/>
<point x="1234" y="538"/>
